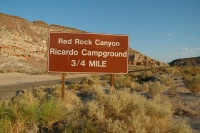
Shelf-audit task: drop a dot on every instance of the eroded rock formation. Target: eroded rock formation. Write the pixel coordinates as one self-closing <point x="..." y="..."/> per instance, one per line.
<point x="138" y="59"/>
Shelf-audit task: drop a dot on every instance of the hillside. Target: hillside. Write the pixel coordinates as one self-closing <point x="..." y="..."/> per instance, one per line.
<point x="23" y="45"/>
<point x="138" y="59"/>
<point x="193" y="61"/>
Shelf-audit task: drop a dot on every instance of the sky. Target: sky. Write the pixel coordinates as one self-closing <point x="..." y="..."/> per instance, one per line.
<point x="161" y="29"/>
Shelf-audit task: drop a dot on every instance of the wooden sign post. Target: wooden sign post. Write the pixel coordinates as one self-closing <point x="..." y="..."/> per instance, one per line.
<point x="63" y="86"/>
<point x="112" y="80"/>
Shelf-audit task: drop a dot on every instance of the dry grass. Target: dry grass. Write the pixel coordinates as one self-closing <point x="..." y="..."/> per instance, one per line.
<point x="42" y="110"/>
<point x="124" y="112"/>
<point x="123" y="81"/>
<point x="193" y="83"/>
<point x="156" y="88"/>
<point x="190" y="71"/>
<point x="169" y="82"/>
<point x="119" y="111"/>
<point x="183" y="110"/>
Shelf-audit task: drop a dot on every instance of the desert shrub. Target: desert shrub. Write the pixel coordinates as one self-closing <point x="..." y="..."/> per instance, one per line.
<point x="145" y="76"/>
<point x="74" y="86"/>
<point x="123" y="81"/>
<point x="141" y="87"/>
<point x="39" y="72"/>
<point x="22" y="71"/>
<point x="190" y="71"/>
<point x="127" y="83"/>
<point x="170" y="84"/>
<point x="119" y="81"/>
<point x="39" y="92"/>
<point x="5" y="121"/>
<point x="5" y="125"/>
<point x="11" y="70"/>
<point x="117" y="111"/>
<point x="92" y="79"/>
<point x="19" y="114"/>
<point x="28" y="112"/>
<point x="51" y="111"/>
<point x="186" y="77"/>
<point x="173" y="90"/>
<point x="106" y="77"/>
<point x="148" y="74"/>
<point x="134" y="74"/>
<point x="71" y="101"/>
<point x="56" y="91"/>
<point x="193" y="83"/>
<point x="87" y="86"/>
<point x="172" y="71"/>
<point x="80" y="125"/>
<point x="98" y="79"/>
<point x="156" y="88"/>
<point x="180" y="127"/>
<point x="138" y="87"/>
<point x="183" y="110"/>
<point x="168" y="81"/>
<point x="122" y="111"/>
<point x="145" y="87"/>
<point x="104" y="82"/>
<point x="4" y="71"/>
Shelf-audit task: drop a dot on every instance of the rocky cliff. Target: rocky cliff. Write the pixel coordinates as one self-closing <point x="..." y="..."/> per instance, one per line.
<point x="193" y="61"/>
<point x="23" y="44"/>
<point x="138" y="59"/>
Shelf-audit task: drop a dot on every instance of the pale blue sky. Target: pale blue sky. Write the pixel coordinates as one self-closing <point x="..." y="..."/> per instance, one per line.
<point x="162" y="29"/>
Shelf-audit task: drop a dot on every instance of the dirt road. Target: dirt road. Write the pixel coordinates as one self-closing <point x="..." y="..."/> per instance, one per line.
<point x="12" y="82"/>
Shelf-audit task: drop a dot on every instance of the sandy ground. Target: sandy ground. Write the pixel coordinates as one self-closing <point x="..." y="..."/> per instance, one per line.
<point x="17" y="78"/>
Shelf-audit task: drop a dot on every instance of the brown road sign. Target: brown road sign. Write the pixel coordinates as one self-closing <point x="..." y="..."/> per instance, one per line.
<point x="87" y="53"/>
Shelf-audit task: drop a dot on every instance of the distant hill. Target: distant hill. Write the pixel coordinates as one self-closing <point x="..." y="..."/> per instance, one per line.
<point x="193" y="61"/>
<point x="23" y="44"/>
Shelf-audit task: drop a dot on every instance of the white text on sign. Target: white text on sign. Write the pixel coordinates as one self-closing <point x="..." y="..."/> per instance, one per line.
<point x="91" y="63"/>
<point x="85" y="52"/>
<point x="97" y="42"/>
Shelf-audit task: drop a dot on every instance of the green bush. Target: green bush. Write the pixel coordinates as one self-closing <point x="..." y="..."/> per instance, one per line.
<point x="5" y="121"/>
<point x="19" y="114"/>
<point x="51" y="111"/>
<point x="30" y="112"/>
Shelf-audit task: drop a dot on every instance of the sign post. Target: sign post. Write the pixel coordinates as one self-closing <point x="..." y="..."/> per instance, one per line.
<point x="63" y="86"/>
<point x="87" y="53"/>
<point x="112" y="80"/>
